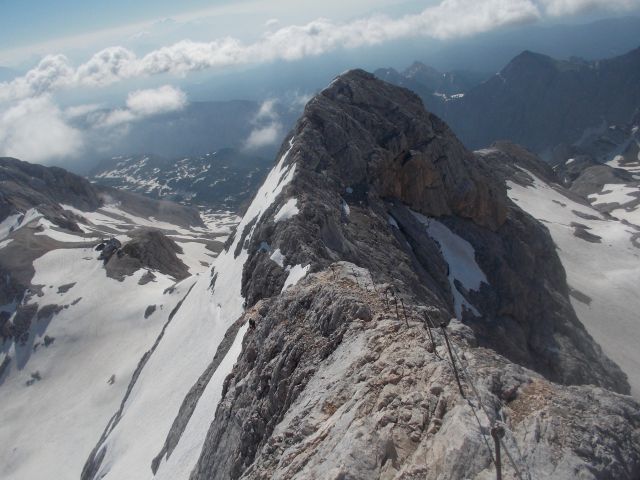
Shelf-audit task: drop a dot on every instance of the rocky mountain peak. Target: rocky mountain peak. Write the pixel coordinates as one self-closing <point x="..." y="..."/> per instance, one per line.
<point x="368" y="168"/>
<point x="377" y="203"/>
<point x="378" y="254"/>
<point x="383" y="143"/>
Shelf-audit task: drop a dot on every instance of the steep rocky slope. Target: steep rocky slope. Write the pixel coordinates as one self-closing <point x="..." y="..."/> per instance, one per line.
<point x="374" y="224"/>
<point x="367" y="151"/>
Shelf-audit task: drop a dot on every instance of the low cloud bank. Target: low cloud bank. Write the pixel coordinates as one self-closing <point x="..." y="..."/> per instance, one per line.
<point x="448" y="19"/>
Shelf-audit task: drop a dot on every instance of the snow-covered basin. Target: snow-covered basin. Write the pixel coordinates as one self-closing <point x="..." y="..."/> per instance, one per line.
<point x="48" y="429"/>
<point x="194" y="254"/>
<point x="607" y="272"/>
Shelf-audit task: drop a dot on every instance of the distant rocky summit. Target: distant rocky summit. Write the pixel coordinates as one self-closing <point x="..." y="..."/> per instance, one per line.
<point x="432" y="85"/>
<point x="538" y="101"/>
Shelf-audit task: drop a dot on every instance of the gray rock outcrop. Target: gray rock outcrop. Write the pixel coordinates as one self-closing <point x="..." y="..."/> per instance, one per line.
<point x="148" y="248"/>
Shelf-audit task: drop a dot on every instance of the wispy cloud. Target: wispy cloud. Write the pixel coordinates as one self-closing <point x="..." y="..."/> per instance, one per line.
<point x="447" y="19"/>
<point x="572" y="7"/>
<point x="141" y="104"/>
<point x="267" y="126"/>
<point x="264" y="136"/>
<point x="37" y="130"/>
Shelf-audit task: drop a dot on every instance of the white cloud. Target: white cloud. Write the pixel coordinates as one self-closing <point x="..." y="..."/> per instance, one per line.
<point x="447" y="19"/>
<point x="272" y="22"/>
<point x="105" y="67"/>
<point x="53" y="72"/>
<point x="264" y="136"/>
<point x="156" y="100"/>
<point x="267" y="126"/>
<point x="35" y="130"/>
<point x="141" y="104"/>
<point x="267" y="111"/>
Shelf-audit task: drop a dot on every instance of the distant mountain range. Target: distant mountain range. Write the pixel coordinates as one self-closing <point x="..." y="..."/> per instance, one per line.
<point x="432" y="85"/>
<point x="537" y="101"/>
<point x="222" y="180"/>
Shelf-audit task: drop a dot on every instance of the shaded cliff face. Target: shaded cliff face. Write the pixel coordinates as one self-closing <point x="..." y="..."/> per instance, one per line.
<point x="383" y="216"/>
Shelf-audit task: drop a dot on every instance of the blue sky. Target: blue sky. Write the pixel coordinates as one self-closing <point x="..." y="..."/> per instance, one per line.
<point x="31" y="21"/>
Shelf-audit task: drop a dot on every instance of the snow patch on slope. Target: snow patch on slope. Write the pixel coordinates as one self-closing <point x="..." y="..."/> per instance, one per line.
<point x="184" y="457"/>
<point x="17" y="221"/>
<point x="297" y="273"/>
<point x="614" y="193"/>
<point x="287" y="211"/>
<point x="8" y="225"/>
<point x="345" y="208"/>
<point x="195" y="255"/>
<point x="461" y="258"/>
<point x="278" y="257"/>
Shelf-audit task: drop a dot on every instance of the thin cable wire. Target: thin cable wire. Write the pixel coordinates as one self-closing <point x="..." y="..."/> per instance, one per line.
<point x="473" y="409"/>
<point x="477" y="394"/>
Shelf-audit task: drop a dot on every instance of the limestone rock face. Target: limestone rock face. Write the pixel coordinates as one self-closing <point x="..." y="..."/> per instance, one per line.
<point x="381" y="140"/>
<point x="340" y="379"/>
<point x="332" y="384"/>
